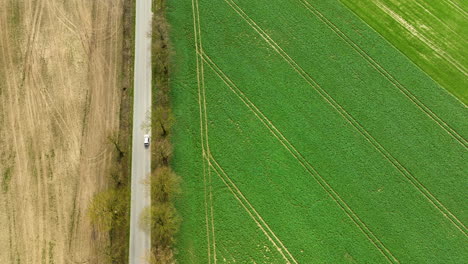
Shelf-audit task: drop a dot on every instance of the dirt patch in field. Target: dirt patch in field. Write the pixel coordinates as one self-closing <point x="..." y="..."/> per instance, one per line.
<point x="60" y="92"/>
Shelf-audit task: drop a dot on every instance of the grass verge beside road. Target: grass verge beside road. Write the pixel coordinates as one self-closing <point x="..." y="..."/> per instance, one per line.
<point x="164" y="182"/>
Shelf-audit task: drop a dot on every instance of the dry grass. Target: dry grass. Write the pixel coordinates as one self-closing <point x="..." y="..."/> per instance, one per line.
<point x="60" y="96"/>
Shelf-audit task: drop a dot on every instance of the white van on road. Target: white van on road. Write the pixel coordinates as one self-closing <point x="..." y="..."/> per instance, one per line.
<point x="147" y="140"/>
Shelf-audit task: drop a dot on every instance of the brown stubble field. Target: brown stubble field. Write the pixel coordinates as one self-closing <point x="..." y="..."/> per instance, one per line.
<point x="60" y="73"/>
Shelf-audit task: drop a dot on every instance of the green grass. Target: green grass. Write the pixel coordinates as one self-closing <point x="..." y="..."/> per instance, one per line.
<point x="327" y="141"/>
<point x="6" y="179"/>
<point x="436" y="38"/>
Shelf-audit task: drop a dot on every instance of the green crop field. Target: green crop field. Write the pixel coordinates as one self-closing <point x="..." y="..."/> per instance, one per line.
<point x="433" y="34"/>
<point x="303" y="136"/>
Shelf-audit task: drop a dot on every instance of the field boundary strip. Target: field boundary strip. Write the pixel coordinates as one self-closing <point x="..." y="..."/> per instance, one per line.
<point x="209" y="215"/>
<point x="304" y="163"/>
<point x="350" y="119"/>
<point x="262" y="225"/>
<point x="446" y="127"/>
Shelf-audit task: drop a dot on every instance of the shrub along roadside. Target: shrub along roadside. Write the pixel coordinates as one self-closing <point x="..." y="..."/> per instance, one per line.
<point x="109" y="210"/>
<point x="165" y="184"/>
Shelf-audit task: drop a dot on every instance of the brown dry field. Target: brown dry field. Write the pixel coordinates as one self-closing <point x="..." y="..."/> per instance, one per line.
<point x="60" y="73"/>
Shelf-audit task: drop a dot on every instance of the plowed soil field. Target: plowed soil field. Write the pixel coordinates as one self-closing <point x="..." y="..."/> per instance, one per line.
<point x="60" y="69"/>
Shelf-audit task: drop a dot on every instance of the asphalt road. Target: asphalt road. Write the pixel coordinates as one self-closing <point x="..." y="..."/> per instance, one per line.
<point x="140" y="241"/>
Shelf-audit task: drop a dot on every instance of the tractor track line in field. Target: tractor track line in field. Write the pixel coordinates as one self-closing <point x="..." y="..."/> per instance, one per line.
<point x="29" y="58"/>
<point x="54" y="11"/>
<point x="264" y="227"/>
<point x="446" y="26"/>
<point x="207" y="152"/>
<point x="63" y="19"/>
<point x="227" y="255"/>
<point x="52" y="109"/>
<point x="447" y="128"/>
<point x="428" y="42"/>
<point x="60" y="71"/>
<point x="209" y="215"/>
<point x="36" y="22"/>
<point x="457" y="7"/>
<point x="303" y="162"/>
<point x="350" y="119"/>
